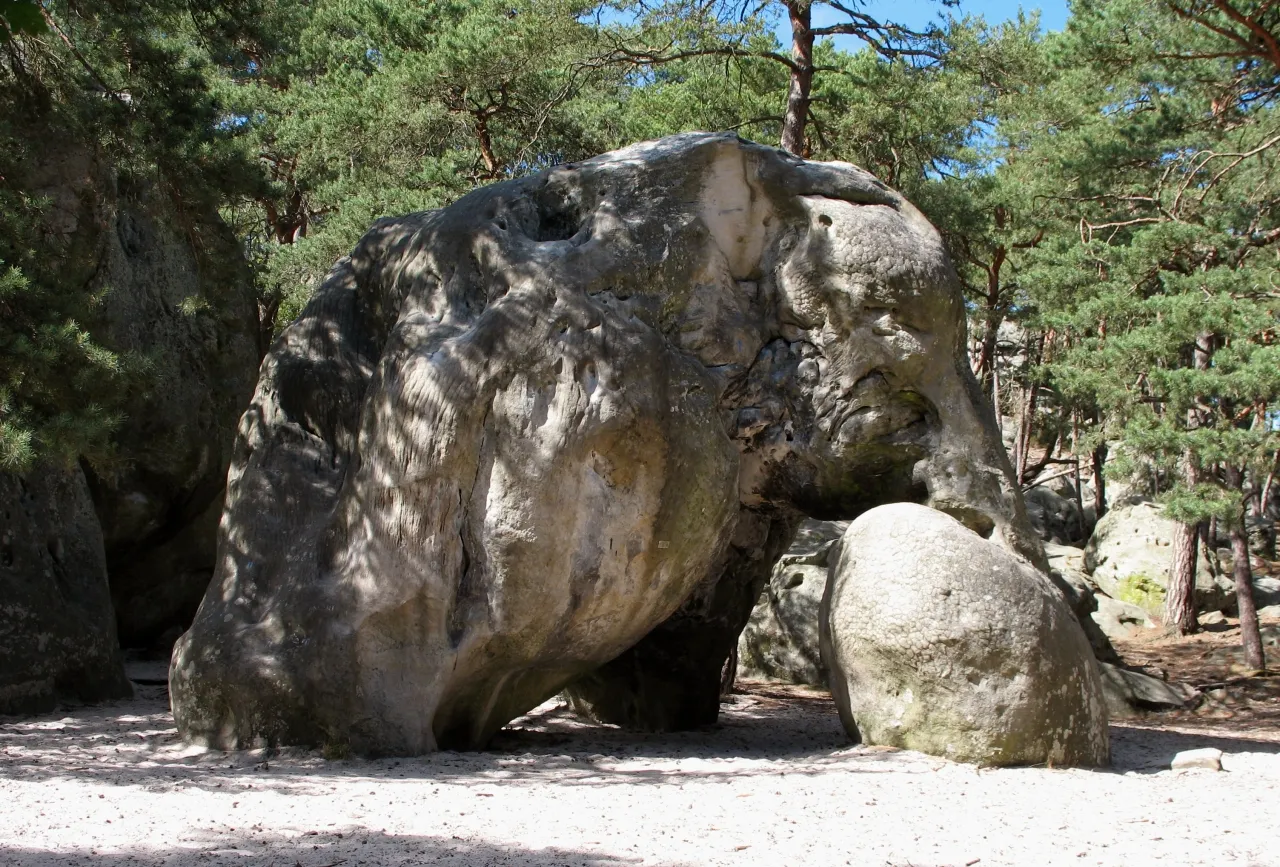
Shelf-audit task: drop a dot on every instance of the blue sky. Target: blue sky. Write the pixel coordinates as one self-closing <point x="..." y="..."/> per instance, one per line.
<point x="917" y="13"/>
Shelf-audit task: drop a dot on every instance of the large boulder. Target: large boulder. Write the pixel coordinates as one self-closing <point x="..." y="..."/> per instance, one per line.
<point x="57" y="635"/>
<point x="1130" y="555"/>
<point x="780" y="641"/>
<point x="174" y="287"/>
<point x="558" y="433"/>
<point x="970" y="653"/>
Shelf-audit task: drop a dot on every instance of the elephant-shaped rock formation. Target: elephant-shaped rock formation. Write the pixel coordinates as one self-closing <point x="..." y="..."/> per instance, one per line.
<point x="556" y="435"/>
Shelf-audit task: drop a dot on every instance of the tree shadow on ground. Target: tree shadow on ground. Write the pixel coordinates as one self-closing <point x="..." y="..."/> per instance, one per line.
<point x="771" y="729"/>
<point x="352" y="848"/>
<point x="775" y="730"/>
<point x="1147" y="749"/>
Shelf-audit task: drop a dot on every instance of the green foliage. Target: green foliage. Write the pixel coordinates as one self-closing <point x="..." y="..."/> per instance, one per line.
<point x="117" y="98"/>
<point x="58" y="387"/>
<point x="1110" y="190"/>
<point x="20" y="18"/>
<point x="1160" y="272"/>
<point x="362" y="108"/>
<point x="1141" y="590"/>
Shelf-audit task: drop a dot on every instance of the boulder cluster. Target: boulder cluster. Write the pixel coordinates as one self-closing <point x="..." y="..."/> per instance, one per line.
<point x="555" y="436"/>
<point x="559" y="437"/>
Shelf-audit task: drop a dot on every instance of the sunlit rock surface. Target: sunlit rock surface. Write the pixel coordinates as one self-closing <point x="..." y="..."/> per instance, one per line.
<point x="557" y="434"/>
<point x="967" y="652"/>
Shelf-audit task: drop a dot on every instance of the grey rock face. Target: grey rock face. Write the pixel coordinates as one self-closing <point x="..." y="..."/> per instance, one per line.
<point x="1104" y="618"/>
<point x="559" y="433"/>
<point x="780" y="641"/>
<point x="1085" y="603"/>
<point x="1056" y="518"/>
<point x="191" y="307"/>
<point x="175" y="288"/>
<point x="970" y="654"/>
<point x="1121" y="620"/>
<point x="1130" y="693"/>
<point x="1129" y="557"/>
<point x="57" y="634"/>
<point x="1065" y="558"/>
<point x="1266" y="592"/>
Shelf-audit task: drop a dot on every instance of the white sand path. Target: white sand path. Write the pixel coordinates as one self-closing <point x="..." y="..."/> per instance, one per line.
<point x="775" y="783"/>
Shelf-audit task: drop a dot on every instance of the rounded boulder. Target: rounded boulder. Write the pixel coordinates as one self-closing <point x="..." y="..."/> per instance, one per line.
<point x="941" y="641"/>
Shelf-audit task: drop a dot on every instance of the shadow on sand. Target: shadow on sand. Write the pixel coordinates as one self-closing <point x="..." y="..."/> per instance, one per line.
<point x="775" y="729"/>
<point x="337" y="849"/>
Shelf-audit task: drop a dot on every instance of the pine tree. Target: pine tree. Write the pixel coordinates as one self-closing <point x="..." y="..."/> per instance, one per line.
<point x="1168" y="172"/>
<point x="126" y="82"/>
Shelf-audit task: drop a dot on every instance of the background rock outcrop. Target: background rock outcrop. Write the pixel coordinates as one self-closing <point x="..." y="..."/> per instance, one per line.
<point x="558" y="434"/>
<point x="1129" y="557"/>
<point x="968" y="652"/>
<point x="780" y="641"/>
<point x="175" y="289"/>
<point x="57" y="635"/>
<point x="1057" y="518"/>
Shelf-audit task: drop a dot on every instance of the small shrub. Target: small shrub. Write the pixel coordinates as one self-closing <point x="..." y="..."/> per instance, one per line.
<point x="1143" y="591"/>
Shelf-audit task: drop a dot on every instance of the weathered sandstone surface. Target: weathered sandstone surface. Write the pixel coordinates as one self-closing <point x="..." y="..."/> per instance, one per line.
<point x="968" y="653"/>
<point x="556" y="436"/>
<point x="57" y="635"/>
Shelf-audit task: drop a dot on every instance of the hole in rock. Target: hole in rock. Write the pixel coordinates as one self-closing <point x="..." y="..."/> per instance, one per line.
<point x="559" y="219"/>
<point x="558" y="226"/>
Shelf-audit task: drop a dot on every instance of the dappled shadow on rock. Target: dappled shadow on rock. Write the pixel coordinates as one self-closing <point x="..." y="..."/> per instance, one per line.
<point x="247" y="848"/>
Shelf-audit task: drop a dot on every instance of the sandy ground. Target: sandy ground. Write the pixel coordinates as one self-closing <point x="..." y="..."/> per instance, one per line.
<point x="776" y="783"/>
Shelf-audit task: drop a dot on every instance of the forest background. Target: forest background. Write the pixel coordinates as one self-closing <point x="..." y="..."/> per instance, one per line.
<point x="1109" y="192"/>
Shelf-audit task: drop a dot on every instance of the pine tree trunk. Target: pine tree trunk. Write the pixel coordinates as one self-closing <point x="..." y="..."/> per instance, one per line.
<point x="1024" y="433"/>
<point x="1099" y="481"/>
<point x="1242" y="573"/>
<point x="1180" y="600"/>
<point x="793" y="123"/>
